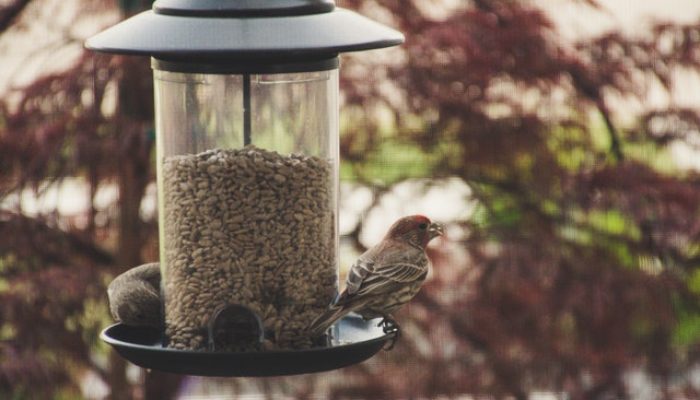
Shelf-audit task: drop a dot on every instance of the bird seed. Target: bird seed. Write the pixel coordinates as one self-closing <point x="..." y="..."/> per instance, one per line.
<point x="250" y="227"/>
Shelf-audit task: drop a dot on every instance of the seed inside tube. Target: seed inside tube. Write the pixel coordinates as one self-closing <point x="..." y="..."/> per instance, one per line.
<point x="264" y="240"/>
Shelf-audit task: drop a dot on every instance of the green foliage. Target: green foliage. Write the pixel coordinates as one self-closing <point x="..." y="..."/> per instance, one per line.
<point x="393" y="160"/>
<point x="687" y="332"/>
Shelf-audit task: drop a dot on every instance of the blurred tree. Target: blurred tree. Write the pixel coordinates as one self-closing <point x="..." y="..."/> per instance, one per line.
<point x="581" y="264"/>
<point x="583" y="259"/>
<point x="10" y="11"/>
<point x="93" y="121"/>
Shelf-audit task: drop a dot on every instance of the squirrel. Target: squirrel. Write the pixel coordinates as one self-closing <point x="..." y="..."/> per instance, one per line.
<point x="134" y="296"/>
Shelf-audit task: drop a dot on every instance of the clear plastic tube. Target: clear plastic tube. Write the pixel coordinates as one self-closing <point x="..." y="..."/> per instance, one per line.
<point x="248" y="183"/>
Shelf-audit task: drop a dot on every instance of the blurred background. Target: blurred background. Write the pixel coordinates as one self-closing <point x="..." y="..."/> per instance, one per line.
<point x="558" y="139"/>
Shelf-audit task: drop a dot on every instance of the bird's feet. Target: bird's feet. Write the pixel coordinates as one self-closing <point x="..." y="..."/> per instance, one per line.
<point x="390" y="326"/>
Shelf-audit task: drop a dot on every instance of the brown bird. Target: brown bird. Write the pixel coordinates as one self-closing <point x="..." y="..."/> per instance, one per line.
<point x="386" y="276"/>
<point x="134" y="296"/>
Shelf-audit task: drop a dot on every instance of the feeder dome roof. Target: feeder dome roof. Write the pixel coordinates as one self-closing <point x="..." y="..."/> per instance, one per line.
<point x="191" y="30"/>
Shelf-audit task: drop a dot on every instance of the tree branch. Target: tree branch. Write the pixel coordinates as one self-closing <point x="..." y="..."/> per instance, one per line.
<point x="615" y="146"/>
<point x="10" y="12"/>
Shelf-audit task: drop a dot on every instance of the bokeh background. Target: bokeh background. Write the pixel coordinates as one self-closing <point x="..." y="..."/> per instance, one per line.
<point x="558" y="139"/>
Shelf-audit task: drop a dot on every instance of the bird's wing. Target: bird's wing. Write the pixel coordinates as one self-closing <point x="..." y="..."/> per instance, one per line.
<point x="358" y="273"/>
<point x="388" y="275"/>
<point x="367" y="279"/>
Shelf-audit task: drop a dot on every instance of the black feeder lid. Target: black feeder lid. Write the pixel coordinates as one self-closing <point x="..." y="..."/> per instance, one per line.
<point x="230" y="31"/>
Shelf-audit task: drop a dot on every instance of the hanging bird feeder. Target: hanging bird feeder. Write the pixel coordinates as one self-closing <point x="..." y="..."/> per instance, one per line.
<point x="246" y="96"/>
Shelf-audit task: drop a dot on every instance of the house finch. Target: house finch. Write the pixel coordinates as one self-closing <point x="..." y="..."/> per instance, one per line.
<point x="386" y="276"/>
<point x="134" y="296"/>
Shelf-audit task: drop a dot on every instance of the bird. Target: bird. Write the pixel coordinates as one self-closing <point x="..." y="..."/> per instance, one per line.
<point x="386" y="276"/>
<point x="134" y="296"/>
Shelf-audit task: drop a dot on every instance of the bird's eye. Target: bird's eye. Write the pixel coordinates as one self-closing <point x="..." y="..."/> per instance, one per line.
<point x="423" y="226"/>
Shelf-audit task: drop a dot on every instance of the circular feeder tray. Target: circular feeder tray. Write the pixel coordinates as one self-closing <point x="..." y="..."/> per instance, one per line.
<point x="355" y="340"/>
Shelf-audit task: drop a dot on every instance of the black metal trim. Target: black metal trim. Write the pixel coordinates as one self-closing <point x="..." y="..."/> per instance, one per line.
<point x="357" y="341"/>
<point x="242" y="8"/>
<point x="259" y="66"/>
<point x="247" y="110"/>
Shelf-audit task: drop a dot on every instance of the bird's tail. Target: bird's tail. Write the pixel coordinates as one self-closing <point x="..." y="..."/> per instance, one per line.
<point x="319" y="325"/>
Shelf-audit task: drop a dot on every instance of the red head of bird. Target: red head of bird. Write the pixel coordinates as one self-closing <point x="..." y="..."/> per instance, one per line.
<point x="417" y="230"/>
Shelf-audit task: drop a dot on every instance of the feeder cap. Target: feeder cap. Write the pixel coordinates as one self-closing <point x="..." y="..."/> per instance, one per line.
<point x="242" y="8"/>
<point x="240" y="30"/>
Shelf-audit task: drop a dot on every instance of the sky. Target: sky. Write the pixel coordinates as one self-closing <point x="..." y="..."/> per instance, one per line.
<point x="633" y="16"/>
<point x="47" y="39"/>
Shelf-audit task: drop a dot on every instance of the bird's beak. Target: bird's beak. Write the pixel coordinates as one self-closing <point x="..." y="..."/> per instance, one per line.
<point x="436" y="229"/>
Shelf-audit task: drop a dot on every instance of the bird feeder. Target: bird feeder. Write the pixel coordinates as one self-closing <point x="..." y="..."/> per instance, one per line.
<point x="246" y="104"/>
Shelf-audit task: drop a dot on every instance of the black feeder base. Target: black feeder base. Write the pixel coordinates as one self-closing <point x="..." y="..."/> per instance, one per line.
<point x="355" y="341"/>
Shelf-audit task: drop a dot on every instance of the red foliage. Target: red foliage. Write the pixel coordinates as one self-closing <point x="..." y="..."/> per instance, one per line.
<point x="578" y="267"/>
<point x="579" y="272"/>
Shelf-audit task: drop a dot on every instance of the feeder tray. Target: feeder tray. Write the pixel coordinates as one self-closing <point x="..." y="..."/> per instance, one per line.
<point x="356" y="340"/>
